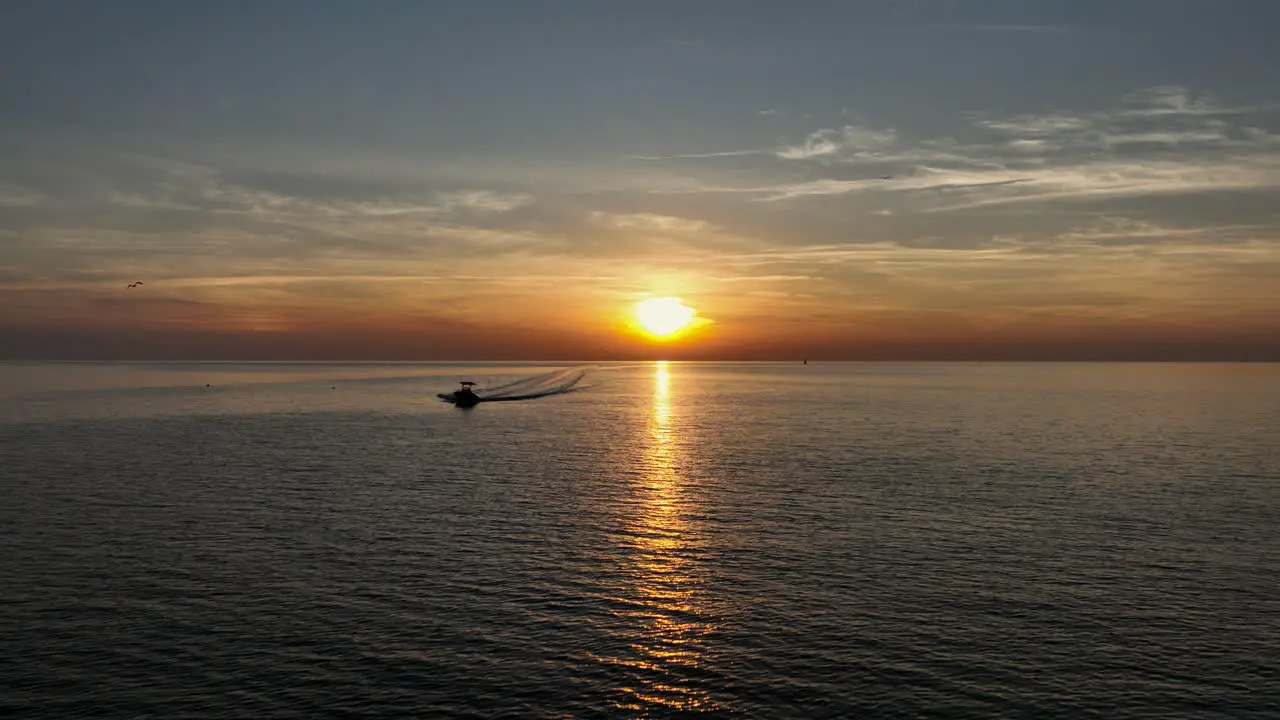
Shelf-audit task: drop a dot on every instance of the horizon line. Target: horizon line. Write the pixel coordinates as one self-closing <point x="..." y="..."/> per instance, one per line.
<point x="583" y="361"/>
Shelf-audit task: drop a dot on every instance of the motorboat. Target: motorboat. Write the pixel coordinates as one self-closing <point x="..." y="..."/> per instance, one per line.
<point x="466" y="397"/>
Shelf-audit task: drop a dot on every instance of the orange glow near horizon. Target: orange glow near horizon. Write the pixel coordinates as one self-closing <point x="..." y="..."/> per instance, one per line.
<point x="399" y="319"/>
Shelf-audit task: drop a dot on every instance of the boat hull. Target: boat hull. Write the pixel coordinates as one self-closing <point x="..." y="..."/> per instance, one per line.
<point x="460" y="400"/>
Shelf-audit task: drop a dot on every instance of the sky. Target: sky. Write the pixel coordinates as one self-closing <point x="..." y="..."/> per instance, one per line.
<point x="419" y="180"/>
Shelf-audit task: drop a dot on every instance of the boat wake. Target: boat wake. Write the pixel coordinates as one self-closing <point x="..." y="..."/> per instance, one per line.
<point x="559" y="382"/>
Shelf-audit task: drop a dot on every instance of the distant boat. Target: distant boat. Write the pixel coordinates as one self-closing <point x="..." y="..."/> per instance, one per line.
<point x="464" y="398"/>
<point x="806" y="362"/>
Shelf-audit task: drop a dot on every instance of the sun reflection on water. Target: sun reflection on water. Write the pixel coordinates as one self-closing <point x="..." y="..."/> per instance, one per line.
<point x="668" y="639"/>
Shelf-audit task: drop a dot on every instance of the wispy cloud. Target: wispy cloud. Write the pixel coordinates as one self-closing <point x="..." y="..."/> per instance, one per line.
<point x="850" y="138"/>
<point x="18" y="196"/>
<point x="1166" y="116"/>
<point x="1038" y="126"/>
<point x="483" y="200"/>
<point x="1117" y="179"/>
<point x="763" y="278"/>
<point x="697" y="156"/>
<point x="818" y="145"/>
<point x="1119" y="229"/>
<point x="1155" y="119"/>
<point x="1167" y="100"/>
<point x="650" y="222"/>
<point x="1156" y="142"/>
<point x="1013" y="275"/>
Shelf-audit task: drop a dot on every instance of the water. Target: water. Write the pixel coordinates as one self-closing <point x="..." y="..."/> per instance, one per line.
<point x="780" y="541"/>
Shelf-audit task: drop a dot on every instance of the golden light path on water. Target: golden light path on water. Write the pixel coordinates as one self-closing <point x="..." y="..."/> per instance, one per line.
<point x="669" y="641"/>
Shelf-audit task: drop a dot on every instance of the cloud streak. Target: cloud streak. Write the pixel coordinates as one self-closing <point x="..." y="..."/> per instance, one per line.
<point x="17" y="196"/>
<point x="1161" y="141"/>
<point x="700" y="156"/>
<point x="823" y="144"/>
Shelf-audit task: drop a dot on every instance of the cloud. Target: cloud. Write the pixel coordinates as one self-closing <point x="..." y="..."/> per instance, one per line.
<point x="1038" y="126"/>
<point x="830" y="143"/>
<point x="763" y="278"/>
<point x="152" y="219"/>
<point x="166" y="222"/>
<point x="482" y="200"/>
<point x="1086" y="274"/>
<point x="1117" y="229"/>
<point x="650" y="222"/>
<point x="18" y="196"/>
<point x="212" y="193"/>
<point x="1161" y="141"/>
<point x="925" y="178"/>
<point x="1114" y="179"/>
<point x="1164" y="116"/>
<point x="327" y="278"/>
<point x="821" y="144"/>
<point x="1173" y="100"/>
<point x="216" y="211"/>
<point x="696" y="156"/>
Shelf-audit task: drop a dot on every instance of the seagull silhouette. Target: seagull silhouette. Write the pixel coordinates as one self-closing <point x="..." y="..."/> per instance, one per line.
<point x="136" y="284"/>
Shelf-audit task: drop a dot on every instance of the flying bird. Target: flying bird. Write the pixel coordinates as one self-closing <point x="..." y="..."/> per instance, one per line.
<point x="136" y="284"/>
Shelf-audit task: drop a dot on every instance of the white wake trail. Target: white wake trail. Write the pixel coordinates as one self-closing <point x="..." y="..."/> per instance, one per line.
<point x="558" y="382"/>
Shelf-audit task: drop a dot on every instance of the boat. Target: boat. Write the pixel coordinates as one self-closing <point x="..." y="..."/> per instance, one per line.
<point x="466" y="397"/>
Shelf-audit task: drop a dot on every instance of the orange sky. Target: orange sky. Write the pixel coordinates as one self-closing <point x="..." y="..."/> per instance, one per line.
<point x="146" y="328"/>
<point x="1080" y="296"/>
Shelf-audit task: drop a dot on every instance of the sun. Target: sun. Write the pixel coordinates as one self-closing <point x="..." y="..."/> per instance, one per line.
<point x="664" y="317"/>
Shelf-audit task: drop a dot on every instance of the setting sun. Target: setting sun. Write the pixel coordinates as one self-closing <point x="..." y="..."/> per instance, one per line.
<point x="664" y="317"/>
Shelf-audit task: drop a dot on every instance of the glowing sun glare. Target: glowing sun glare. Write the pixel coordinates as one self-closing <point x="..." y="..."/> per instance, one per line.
<point x="664" y="317"/>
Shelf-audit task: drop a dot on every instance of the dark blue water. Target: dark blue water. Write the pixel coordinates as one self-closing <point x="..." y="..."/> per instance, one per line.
<point x="852" y="541"/>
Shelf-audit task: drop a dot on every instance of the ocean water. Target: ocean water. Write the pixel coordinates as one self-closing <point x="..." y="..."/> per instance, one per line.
<point x="863" y="540"/>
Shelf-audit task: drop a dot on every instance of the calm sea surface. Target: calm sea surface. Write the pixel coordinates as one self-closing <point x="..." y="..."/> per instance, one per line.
<point x="729" y="540"/>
